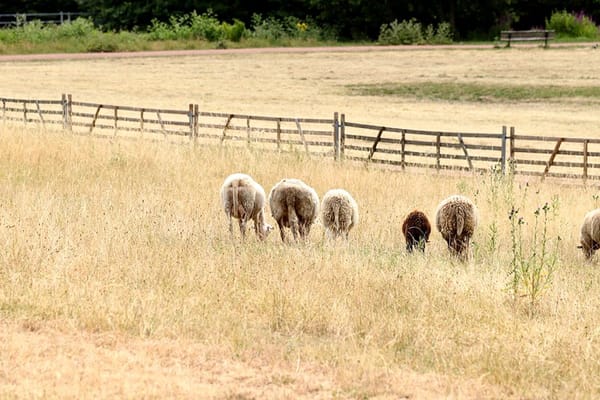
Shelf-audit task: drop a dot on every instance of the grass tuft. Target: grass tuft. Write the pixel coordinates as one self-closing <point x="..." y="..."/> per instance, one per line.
<point x="476" y="92"/>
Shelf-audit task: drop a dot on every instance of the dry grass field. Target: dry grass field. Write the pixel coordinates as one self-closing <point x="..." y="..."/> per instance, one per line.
<point x="312" y="84"/>
<point x="118" y="277"/>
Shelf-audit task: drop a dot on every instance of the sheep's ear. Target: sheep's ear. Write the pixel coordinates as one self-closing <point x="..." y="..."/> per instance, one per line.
<point x="580" y="247"/>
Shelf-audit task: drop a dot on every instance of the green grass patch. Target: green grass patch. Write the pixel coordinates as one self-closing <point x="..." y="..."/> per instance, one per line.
<point x="475" y="92"/>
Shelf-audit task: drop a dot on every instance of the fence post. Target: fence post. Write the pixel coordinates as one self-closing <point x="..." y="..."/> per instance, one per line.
<point x="585" y="160"/>
<point x="248" y="130"/>
<point x="336" y="137"/>
<point x="279" y="134"/>
<point x="513" y="136"/>
<point x="142" y="122"/>
<point x="503" y="151"/>
<point x="63" y="102"/>
<point x="403" y="146"/>
<point x="191" y="120"/>
<point x="70" y="113"/>
<point x="342" y="135"/>
<point x="116" y="118"/>
<point x="438" y="150"/>
<point x="196" y="119"/>
<point x="24" y="113"/>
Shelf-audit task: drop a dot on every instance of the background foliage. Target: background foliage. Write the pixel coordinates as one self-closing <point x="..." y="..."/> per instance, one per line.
<point x="348" y="19"/>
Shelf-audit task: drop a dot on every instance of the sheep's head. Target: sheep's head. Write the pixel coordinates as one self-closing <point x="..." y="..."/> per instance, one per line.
<point x="588" y="250"/>
<point x="265" y="229"/>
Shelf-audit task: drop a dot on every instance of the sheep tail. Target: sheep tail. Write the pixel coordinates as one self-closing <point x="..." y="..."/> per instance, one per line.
<point x="235" y="199"/>
<point x="336" y="215"/>
<point x="460" y="221"/>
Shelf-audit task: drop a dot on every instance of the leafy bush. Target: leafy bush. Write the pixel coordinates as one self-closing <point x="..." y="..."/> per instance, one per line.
<point x="234" y="32"/>
<point x="441" y="35"/>
<point x="412" y="32"/>
<point x="405" y="32"/>
<point x="267" y="29"/>
<point x="572" y="25"/>
<point x="77" y="28"/>
<point x="205" y="26"/>
<point x="273" y="29"/>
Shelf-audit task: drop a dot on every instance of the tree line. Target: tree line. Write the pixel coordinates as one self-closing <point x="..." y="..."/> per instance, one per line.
<point x="346" y="19"/>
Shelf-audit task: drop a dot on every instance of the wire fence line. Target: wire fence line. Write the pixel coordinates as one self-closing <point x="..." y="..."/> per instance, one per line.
<point x="19" y="19"/>
<point x="504" y="151"/>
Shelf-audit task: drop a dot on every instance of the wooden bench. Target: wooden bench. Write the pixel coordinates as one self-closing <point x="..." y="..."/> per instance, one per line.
<point x="526" y="36"/>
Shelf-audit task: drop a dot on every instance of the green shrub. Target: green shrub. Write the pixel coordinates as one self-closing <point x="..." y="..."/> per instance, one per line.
<point x="411" y="32"/>
<point x="572" y="25"/>
<point x="206" y="26"/>
<point x="234" y="32"/>
<point x="405" y="32"/>
<point x="267" y="28"/>
<point x="77" y="28"/>
<point x="441" y="35"/>
<point x="290" y="28"/>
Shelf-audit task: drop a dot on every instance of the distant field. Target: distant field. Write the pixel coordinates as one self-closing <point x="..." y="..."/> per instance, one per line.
<point x="316" y="84"/>
<point x="118" y="277"/>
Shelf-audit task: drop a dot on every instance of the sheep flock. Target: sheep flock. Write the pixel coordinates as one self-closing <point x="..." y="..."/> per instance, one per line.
<point x="295" y="205"/>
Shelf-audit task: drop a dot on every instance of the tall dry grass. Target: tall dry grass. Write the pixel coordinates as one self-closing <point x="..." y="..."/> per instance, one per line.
<point x="129" y="237"/>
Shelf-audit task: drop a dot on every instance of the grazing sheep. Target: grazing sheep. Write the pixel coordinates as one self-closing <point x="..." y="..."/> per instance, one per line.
<point x="339" y="213"/>
<point x="244" y="199"/>
<point x="590" y="233"/>
<point x="294" y="205"/>
<point x="456" y="219"/>
<point x="416" y="229"/>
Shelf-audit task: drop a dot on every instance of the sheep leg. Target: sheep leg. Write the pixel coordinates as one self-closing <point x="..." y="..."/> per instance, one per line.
<point x="293" y="221"/>
<point x="243" y="221"/>
<point x="230" y="224"/>
<point x="281" y="231"/>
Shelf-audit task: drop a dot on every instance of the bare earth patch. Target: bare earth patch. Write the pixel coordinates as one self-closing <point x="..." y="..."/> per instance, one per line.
<point x="48" y="362"/>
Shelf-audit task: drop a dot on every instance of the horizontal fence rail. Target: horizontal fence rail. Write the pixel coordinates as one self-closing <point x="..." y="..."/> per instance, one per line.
<point x="504" y="151"/>
<point x="423" y="149"/>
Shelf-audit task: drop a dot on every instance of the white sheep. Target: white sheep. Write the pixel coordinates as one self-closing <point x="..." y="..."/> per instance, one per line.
<point x="244" y="199"/>
<point x="590" y="233"/>
<point x="339" y="213"/>
<point x="294" y="205"/>
<point x="456" y="219"/>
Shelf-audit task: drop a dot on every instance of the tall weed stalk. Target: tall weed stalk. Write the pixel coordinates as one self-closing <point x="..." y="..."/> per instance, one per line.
<point x="533" y="264"/>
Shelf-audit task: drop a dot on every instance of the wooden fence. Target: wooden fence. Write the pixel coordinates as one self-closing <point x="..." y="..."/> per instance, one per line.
<point x="505" y="151"/>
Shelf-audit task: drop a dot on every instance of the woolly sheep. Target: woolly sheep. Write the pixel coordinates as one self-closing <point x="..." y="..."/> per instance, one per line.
<point x="590" y="233"/>
<point x="244" y="199"/>
<point x="294" y="205"/>
<point x="416" y="229"/>
<point x="339" y="213"/>
<point x="456" y="219"/>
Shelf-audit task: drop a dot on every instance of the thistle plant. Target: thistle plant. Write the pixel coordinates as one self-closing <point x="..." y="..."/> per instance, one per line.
<point x="532" y="266"/>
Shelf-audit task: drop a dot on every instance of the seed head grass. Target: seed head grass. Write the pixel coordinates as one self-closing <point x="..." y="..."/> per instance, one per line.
<point x="129" y="237"/>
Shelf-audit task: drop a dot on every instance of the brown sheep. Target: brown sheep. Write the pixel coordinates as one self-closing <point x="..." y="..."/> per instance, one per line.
<point x="456" y="219"/>
<point x="244" y="199"/>
<point x="294" y="205"/>
<point x="416" y="229"/>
